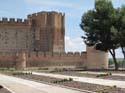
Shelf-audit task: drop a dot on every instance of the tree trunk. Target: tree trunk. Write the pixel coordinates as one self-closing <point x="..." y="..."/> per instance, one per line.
<point x="116" y="64"/>
<point x="112" y="52"/>
<point x="123" y="51"/>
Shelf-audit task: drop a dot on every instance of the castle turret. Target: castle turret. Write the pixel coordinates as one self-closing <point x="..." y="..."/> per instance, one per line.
<point x="20" y="61"/>
<point x="58" y="28"/>
<point x="96" y="59"/>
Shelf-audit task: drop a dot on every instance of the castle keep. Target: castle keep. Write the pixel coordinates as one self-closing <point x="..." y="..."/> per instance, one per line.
<point x="38" y="41"/>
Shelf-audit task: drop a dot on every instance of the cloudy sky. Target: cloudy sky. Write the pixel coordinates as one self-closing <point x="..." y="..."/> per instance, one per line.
<point x="73" y="9"/>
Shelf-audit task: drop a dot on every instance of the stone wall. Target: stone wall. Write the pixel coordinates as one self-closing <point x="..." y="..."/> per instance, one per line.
<point x="15" y="36"/>
<point x="42" y="31"/>
<point x="49" y="31"/>
<point x="92" y="59"/>
<point x="34" y="59"/>
<point x="96" y="59"/>
<point x="56" y="59"/>
<point x="7" y="60"/>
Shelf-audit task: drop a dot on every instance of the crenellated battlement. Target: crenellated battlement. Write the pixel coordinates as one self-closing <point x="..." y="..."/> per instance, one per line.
<point x="26" y="22"/>
<point x="46" y="54"/>
<point x="45" y="13"/>
<point x="13" y="21"/>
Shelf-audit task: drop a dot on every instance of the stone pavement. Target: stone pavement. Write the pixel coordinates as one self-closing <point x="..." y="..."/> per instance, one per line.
<point x="17" y="85"/>
<point x="120" y="84"/>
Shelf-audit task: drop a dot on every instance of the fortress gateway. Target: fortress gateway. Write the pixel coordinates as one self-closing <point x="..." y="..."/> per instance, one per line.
<point x="38" y="41"/>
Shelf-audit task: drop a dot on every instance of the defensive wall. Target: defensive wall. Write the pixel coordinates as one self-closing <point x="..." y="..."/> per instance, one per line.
<point x="43" y="59"/>
<point x="92" y="59"/>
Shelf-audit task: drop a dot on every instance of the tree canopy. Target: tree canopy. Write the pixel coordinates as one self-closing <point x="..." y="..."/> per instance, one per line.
<point x="104" y="27"/>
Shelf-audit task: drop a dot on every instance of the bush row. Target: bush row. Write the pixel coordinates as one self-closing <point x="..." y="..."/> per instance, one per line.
<point x="62" y="80"/>
<point x="22" y="73"/>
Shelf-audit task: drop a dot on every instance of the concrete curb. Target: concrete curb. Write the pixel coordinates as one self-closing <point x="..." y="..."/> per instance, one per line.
<point x="8" y="89"/>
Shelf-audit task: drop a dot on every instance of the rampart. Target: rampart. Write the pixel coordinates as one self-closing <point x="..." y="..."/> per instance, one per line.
<point x="92" y="59"/>
<point x="41" y="59"/>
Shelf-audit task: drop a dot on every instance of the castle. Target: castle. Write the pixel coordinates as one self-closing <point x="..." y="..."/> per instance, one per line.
<point x="38" y="41"/>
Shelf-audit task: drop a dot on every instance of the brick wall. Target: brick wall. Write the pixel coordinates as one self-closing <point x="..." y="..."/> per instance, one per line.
<point x="7" y="60"/>
<point x="34" y="59"/>
<point x="15" y="35"/>
<point x="55" y="59"/>
<point x="92" y="59"/>
<point x="96" y="59"/>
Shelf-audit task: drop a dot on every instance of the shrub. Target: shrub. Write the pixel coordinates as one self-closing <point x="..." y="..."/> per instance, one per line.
<point x="22" y="73"/>
<point x="106" y="74"/>
<point x="70" y="79"/>
<point x="114" y="86"/>
<point x="62" y="80"/>
<point x="1" y="87"/>
<point x="105" y="89"/>
<point x="110" y="73"/>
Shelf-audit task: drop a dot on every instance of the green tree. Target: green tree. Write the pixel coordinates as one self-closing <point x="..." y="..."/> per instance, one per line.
<point x="99" y="28"/>
<point x="120" y="25"/>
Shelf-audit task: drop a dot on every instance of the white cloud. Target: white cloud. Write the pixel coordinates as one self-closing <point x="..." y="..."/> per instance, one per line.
<point x="74" y="44"/>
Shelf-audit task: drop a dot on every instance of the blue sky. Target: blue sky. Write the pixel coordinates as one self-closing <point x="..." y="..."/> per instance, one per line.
<point x="73" y="9"/>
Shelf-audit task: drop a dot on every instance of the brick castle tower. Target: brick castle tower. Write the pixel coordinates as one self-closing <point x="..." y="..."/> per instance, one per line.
<point x="41" y="32"/>
<point x="49" y="31"/>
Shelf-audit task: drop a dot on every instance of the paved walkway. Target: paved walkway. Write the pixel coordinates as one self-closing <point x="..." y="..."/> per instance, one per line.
<point x="120" y="84"/>
<point x="115" y="74"/>
<point x="17" y="85"/>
